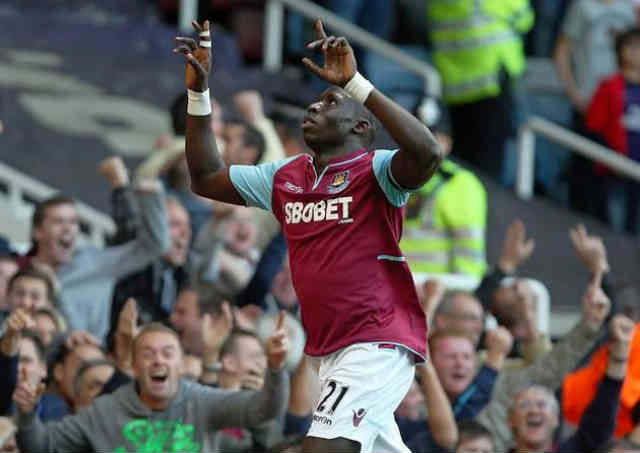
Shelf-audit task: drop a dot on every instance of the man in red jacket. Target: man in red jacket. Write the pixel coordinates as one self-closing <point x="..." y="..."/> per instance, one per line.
<point x="614" y="113"/>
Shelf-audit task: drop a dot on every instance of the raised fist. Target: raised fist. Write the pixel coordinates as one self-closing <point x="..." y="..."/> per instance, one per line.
<point x="498" y="341"/>
<point x="115" y="171"/>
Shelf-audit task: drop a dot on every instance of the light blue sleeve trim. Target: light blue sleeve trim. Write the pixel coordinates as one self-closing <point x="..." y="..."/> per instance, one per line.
<point x="395" y="193"/>
<point x="255" y="182"/>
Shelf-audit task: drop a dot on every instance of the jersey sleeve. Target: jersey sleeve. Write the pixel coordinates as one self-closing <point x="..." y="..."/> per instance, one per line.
<point x="255" y="182"/>
<point x="395" y="193"/>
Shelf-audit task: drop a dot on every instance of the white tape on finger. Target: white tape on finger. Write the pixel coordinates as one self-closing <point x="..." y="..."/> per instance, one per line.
<point x="198" y="103"/>
<point x="205" y="34"/>
<point x="205" y="44"/>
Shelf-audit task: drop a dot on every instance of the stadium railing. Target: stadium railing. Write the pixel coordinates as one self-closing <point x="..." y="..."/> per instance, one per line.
<point x="573" y="142"/>
<point x="18" y="195"/>
<point x="274" y="32"/>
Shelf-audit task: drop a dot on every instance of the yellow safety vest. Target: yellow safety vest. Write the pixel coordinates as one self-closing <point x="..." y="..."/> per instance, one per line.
<point x="444" y="229"/>
<point x="473" y="41"/>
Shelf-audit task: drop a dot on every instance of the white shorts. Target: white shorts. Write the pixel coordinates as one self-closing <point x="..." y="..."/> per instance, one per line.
<point x="361" y="387"/>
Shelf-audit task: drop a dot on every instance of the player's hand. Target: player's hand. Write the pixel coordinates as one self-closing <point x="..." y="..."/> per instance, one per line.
<point x="515" y="249"/>
<point x="278" y="345"/>
<point x="590" y="249"/>
<point x="114" y="170"/>
<point x="339" y="60"/>
<point x="595" y="303"/>
<point x="27" y="393"/>
<point x="198" y="57"/>
<point x="216" y="330"/>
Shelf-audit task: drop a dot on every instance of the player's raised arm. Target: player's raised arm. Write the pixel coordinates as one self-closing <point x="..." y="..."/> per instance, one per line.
<point x="209" y="175"/>
<point x="419" y="154"/>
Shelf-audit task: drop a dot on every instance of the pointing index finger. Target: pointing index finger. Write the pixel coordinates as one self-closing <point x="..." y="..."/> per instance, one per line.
<point x="196" y="25"/>
<point x="320" y="29"/>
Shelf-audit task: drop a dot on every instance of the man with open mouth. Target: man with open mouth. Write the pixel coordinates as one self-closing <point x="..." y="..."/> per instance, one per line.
<point x="159" y="411"/>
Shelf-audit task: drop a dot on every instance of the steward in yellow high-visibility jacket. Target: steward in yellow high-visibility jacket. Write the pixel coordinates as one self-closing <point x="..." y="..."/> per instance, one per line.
<point x="445" y="223"/>
<point x="473" y="40"/>
<point x="479" y="53"/>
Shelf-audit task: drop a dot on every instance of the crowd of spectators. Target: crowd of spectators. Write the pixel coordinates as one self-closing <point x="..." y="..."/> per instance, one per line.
<point x="178" y="336"/>
<point x="183" y="333"/>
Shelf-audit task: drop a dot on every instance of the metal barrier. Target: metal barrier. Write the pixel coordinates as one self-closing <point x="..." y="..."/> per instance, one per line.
<point x="274" y="32"/>
<point x="576" y="143"/>
<point x="22" y="191"/>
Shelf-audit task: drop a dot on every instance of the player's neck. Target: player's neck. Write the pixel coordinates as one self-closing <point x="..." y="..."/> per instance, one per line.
<point x="324" y="158"/>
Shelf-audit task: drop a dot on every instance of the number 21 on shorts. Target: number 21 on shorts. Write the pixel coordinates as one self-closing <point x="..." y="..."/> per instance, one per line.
<point x="326" y="400"/>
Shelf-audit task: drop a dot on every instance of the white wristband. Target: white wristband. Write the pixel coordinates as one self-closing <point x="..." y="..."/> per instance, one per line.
<point x="359" y="87"/>
<point x="198" y="103"/>
<point x="203" y="43"/>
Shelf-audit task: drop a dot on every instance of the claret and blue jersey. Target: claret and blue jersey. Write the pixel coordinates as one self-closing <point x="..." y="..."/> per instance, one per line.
<point x="342" y="227"/>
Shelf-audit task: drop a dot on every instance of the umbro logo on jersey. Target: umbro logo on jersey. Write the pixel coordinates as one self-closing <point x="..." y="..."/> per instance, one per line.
<point x="292" y="187"/>
<point x="358" y="416"/>
<point x="333" y="209"/>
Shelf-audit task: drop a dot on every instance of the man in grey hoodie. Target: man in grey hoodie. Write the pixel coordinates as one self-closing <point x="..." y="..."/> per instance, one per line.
<point x="87" y="274"/>
<point x="159" y="411"/>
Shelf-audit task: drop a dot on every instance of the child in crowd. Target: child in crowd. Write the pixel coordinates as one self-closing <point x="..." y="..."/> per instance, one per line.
<point x="614" y="113"/>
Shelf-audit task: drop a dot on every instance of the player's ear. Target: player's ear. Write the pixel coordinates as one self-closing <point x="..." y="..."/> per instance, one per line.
<point x="362" y="126"/>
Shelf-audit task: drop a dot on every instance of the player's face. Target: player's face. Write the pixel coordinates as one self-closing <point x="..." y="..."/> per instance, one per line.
<point x="180" y="230"/>
<point x="58" y="233"/>
<point x="328" y="120"/>
<point x="534" y="416"/>
<point x="158" y="367"/>
<point x="454" y="361"/>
